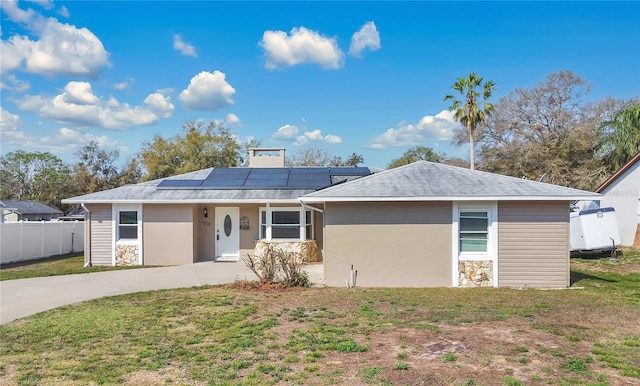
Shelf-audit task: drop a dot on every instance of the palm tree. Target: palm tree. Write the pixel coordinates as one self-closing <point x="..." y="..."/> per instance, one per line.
<point x="475" y="109"/>
<point x="620" y="136"/>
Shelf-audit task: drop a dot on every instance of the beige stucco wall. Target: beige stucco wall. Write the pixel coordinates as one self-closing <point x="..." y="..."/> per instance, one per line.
<point x="399" y="244"/>
<point x="101" y="238"/>
<point x="249" y="237"/>
<point x="168" y="234"/>
<point x="205" y="231"/>
<point x="533" y="244"/>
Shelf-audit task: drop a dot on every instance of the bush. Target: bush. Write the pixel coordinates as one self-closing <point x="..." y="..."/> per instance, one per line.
<point x="278" y="266"/>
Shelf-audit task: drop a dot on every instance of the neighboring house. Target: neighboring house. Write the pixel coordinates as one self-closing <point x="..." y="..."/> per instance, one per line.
<point x="621" y="191"/>
<point x="75" y="214"/>
<point x="27" y="211"/>
<point x="420" y="225"/>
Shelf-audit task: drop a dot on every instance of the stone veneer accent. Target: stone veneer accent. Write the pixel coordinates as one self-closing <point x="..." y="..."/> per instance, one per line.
<point x="306" y="251"/>
<point x="475" y="273"/>
<point x="127" y="254"/>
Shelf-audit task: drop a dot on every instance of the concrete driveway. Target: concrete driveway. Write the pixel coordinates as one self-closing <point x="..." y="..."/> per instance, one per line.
<point x="24" y="297"/>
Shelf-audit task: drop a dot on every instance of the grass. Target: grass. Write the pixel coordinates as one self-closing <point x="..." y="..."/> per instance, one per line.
<point x="53" y="266"/>
<point x="233" y="335"/>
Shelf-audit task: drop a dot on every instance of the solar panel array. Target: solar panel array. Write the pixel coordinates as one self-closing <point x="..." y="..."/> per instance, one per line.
<point x="269" y="178"/>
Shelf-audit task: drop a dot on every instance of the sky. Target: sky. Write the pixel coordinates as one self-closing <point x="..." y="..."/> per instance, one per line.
<point x="346" y="77"/>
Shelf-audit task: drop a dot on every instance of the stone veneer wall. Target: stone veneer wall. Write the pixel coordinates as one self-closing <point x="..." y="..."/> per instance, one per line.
<point x="475" y="273"/>
<point x="306" y="251"/>
<point x="127" y="255"/>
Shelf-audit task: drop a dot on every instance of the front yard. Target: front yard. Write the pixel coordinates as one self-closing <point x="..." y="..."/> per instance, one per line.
<point x="231" y="335"/>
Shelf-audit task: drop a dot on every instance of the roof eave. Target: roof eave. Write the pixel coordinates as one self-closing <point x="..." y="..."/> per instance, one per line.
<point x="319" y="199"/>
<point x="186" y="201"/>
<point x="618" y="173"/>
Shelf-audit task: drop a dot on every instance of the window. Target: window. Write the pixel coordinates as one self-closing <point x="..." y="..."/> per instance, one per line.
<point x="286" y="224"/>
<point x="474" y="231"/>
<point x="128" y="224"/>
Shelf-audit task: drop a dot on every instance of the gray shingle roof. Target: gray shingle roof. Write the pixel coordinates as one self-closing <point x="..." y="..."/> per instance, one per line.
<point x="28" y="207"/>
<point x="148" y="192"/>
<point x="424" y="180"/>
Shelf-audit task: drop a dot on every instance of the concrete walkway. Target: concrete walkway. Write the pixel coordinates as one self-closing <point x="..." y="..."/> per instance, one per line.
<point x="24" y="297"/>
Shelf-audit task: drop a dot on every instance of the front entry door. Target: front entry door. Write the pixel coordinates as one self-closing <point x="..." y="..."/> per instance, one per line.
<point x="227" y="233"/>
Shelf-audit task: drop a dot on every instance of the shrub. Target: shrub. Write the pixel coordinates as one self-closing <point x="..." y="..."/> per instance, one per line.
<point x="278" y="266"/>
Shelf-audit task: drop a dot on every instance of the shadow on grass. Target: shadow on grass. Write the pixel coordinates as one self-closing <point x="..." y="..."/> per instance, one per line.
<point x="576" y="277"/>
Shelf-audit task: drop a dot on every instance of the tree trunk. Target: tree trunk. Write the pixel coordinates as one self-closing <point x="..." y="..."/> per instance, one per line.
<point x="472" y="165"/>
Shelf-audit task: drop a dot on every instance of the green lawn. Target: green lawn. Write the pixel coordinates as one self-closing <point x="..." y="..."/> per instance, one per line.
<point x="52" y="266"/>
<point x="228" y="335"/>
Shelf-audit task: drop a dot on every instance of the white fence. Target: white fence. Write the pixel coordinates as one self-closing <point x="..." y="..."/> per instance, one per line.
<point x="28" y="240"/>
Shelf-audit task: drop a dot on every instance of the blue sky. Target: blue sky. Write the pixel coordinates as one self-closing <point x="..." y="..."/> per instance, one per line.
<point x="363" y="77"/>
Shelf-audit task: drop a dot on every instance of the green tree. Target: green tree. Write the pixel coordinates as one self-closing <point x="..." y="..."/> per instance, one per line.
<point x="620" y="136"/>
<point x="95" y="169"/>
<point x="417" y="153"/>
<point x="200" y="146"/>
<point x="36" y="176"/>
<point x="473" y="109"/>
<point x="353" y="160"/>
<point x="131" y="172"/>
<point x="547" y="132"/>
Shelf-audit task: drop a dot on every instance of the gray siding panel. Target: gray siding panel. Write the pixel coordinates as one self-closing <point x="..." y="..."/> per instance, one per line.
<point x="101" y="234"/>
<point x="533" y="244"/>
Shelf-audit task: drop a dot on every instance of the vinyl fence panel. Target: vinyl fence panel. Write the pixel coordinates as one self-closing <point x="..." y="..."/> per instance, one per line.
<point x="20" y="241"/>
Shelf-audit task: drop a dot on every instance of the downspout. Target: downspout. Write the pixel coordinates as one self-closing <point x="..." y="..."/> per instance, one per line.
<point x="87" y="237"/>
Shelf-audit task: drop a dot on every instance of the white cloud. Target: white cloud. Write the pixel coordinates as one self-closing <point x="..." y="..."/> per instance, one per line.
<point x="64" y="12"/>
<point x="61" y="49"/>
<point x="285" y="133"/>
<point x="290" y="133"/>
<point x="233" y="120"/>
<point x="64" y="141"/>
<point x="429" y="128"/>
<point x="15" y="14"/>
<point x="14" y="84"/>
<point x="8" y="121"/>
<point x="46" y="4"/>
<point x="366" y="37"/>
<point x="124" y="84"/>
<point x="300" y="46"/>
<point x="207" y="91"/>
<point x="79" y="106"/>
<point x="79" y="93"/>
<point x="184" y="48"/>
<point x="160" y="105"/>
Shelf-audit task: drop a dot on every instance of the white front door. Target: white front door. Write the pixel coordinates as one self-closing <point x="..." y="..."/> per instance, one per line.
<point x="227" y="233"/>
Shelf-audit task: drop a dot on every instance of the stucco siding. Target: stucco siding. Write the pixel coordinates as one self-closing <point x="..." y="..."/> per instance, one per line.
<point x="249" y="237"/>
<point x="533" y="244"/>
<point x="168" y="234"/>
<point x="101" y="238"/>
<point x="402" y="244"/>
<point x="623" y="195"/>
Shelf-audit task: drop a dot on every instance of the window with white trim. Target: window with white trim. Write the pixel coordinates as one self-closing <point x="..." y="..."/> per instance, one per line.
<point x="474" y="231"/>
<point x="280" y="223"/>
<point x="127" y="224"/>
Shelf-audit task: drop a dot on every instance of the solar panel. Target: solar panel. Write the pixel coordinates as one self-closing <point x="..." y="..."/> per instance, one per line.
<point x="350" y="171"/>
<point x="269" y="178"/>
<point x="223" y="183"/>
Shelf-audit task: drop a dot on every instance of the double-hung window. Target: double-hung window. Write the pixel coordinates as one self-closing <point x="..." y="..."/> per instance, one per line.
<point x="127" y="224"/>
<point x="474" y="231"/>
<point x="286" y="224"/>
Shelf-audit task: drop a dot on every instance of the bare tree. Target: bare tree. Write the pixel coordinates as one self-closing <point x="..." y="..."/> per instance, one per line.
<point x="547" y="132"/>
